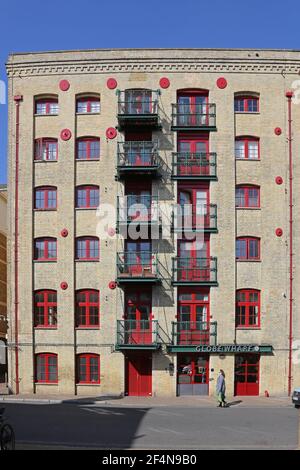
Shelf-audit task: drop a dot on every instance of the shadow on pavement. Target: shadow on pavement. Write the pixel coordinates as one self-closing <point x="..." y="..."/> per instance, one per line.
<point x="233" y="403"/>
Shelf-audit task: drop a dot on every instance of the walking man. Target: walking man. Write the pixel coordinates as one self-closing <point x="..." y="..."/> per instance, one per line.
<point x="220" y="389"/>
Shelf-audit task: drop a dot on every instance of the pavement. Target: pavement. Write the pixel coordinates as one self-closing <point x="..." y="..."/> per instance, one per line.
<point x="183" y="401"/>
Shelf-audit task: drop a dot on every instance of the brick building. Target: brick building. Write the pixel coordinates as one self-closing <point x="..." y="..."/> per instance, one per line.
<point x="158" y="139"/>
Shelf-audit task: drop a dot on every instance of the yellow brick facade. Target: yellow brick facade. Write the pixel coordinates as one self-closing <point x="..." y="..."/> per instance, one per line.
<point x="267" y="73"/>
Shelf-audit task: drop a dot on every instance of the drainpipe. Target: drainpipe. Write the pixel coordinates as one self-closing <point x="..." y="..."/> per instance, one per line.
<point x="289" y="95"/>
<point x="17" y="100"/>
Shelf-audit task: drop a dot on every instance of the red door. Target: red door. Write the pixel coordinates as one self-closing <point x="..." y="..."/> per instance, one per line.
<point x="138" y="374"/>
<point x="193" y="155"/>
<point x="138" y="317"/>
<point x="194" y="261"/>
<point x="138" y="258"/>
<point x="194" y="204"/>
<point x="193" y="109"/>
<point x="192" y="374"/>
<point x="246" y="374"/>
<point x="193" y="317"/>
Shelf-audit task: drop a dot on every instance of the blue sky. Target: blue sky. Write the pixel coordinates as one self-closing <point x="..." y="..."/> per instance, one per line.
<point x="33" y="25"/>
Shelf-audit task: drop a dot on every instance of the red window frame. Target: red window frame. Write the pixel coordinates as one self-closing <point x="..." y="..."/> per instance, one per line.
<point x="87" y="303"/>
<point x="87" y="241"/>
<point x="88" y="100"/>
<point x="45" y="304"/>
<point x="246" y="99"/>
<point x="246" y="189"/>
<point x="247" y="304"/>
<point x="46" y="357"/>
<point x="246" y="141"/>
<point x="199" y="218"/>
<point x="248" y="240"/>
<point x="45" y="190"/>
<point x="44" y="143"/>
<point x="88" y="189"/>
<point x="88" y="379"/>
<point x="88" y="141"/>
<point x="46" y="241"/>
<point x="193" y="113"/>
<point x="47" y="102"/>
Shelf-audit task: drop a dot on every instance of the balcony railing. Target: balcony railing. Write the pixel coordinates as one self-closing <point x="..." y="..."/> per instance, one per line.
<point x="198" y="116"/>
<point x="138" y="108"/>
<point x="190" y="271"/>
<point x="199" y="218"/>
<point x="188" y="165"/>
<point x="137" y="157"/>
<point x="141" y="266"/>
<point x="187" y="333"/>
<point x="137" y="209"/>
<point x="137" y="334"/>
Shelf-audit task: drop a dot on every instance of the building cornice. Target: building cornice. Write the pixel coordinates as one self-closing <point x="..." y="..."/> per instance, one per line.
<point x="147" y="61"/>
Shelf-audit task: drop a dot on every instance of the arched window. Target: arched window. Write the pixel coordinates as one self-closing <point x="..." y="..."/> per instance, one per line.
<point x="88" y="368"/>
<point x="46" y="149"/>
<point x="46" y="105"/>
<point x="88" y="104"/>
<point x="46" y="368"/>
<point x="192" y="107"/>
<point x="45" y="198"/>
<point x="138" y="101"/>
<point x="247" y="196"/>
<point x="87" y="248"/>
<point x="247" y="148"/>
<point x="87" y="308"/>
<point x="248" y="248"/>
<point x="246" y="102"/>
<point x="87" y="197"/>
<point x="45" y="309"/>
<point x="88" y="148"/>
<point x="45" y="249"/>
<point x="247" y="311"/>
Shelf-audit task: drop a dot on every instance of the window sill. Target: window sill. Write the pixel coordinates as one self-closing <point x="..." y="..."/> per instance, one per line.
<point x="46" y="383"/>
<point x="44" y="210"/>
<point x="97" y="328"/>
<point x="248" y="208"/>
<point x="86" y="208"/>
<point x="247" y="112"/>
<point x="45" y="328"/>
<point x="45" y="161"/>
<point x="87" y="260"/>
<point x="87" y="160"/>
<point x="89" y="114"/>
<point x="88" y="384"/>
<point x="245" y="328"/>
<point x="247" y="159"/>
<point x="45" y="260"/>
<point x="45" y="115"/>
<point x="248" y="260"/>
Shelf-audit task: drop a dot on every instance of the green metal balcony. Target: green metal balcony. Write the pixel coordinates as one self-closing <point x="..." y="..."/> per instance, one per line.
<point x="194" y="118"/>
<point x="137" y="267"/>
<point x="194" y="271"/>
<point x="138" y="158"/>
<point x="194" y="166"/>
<point x="138" y="109"/>
<point x="188" y="335"/>
<point x="137" y="334"/>
<point x="199" y="218"/>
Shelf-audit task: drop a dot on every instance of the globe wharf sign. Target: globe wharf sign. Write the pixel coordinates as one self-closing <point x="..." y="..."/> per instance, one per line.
<point x="234" y="348"/>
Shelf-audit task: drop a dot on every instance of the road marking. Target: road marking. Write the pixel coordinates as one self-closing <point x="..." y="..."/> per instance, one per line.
<point x="164" y="430"/>
<point x="102" y="411"/>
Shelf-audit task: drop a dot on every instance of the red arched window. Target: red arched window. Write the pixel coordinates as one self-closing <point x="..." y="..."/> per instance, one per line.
<point x="247" y="312"/>
<point x="46" y="149"/>
<point x="88" y="368"/>
<point x="247" y="196"/>
<point x="46" y="368"/>
<point x="45" y="249"/>
<point x="88" y="148"/>
<point x="46" y="105"/>
<point x="89" y="104"/>
<point x="87" y="308"/>
<point x="87" y="248"/>
<point x="45" y="198"/>
<point x="247" y="148"/>
<point x="45" y="309"/>
<point x="246" y="103"/>
<point x="248" y="248"/>
<point x="87" y="197"/>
